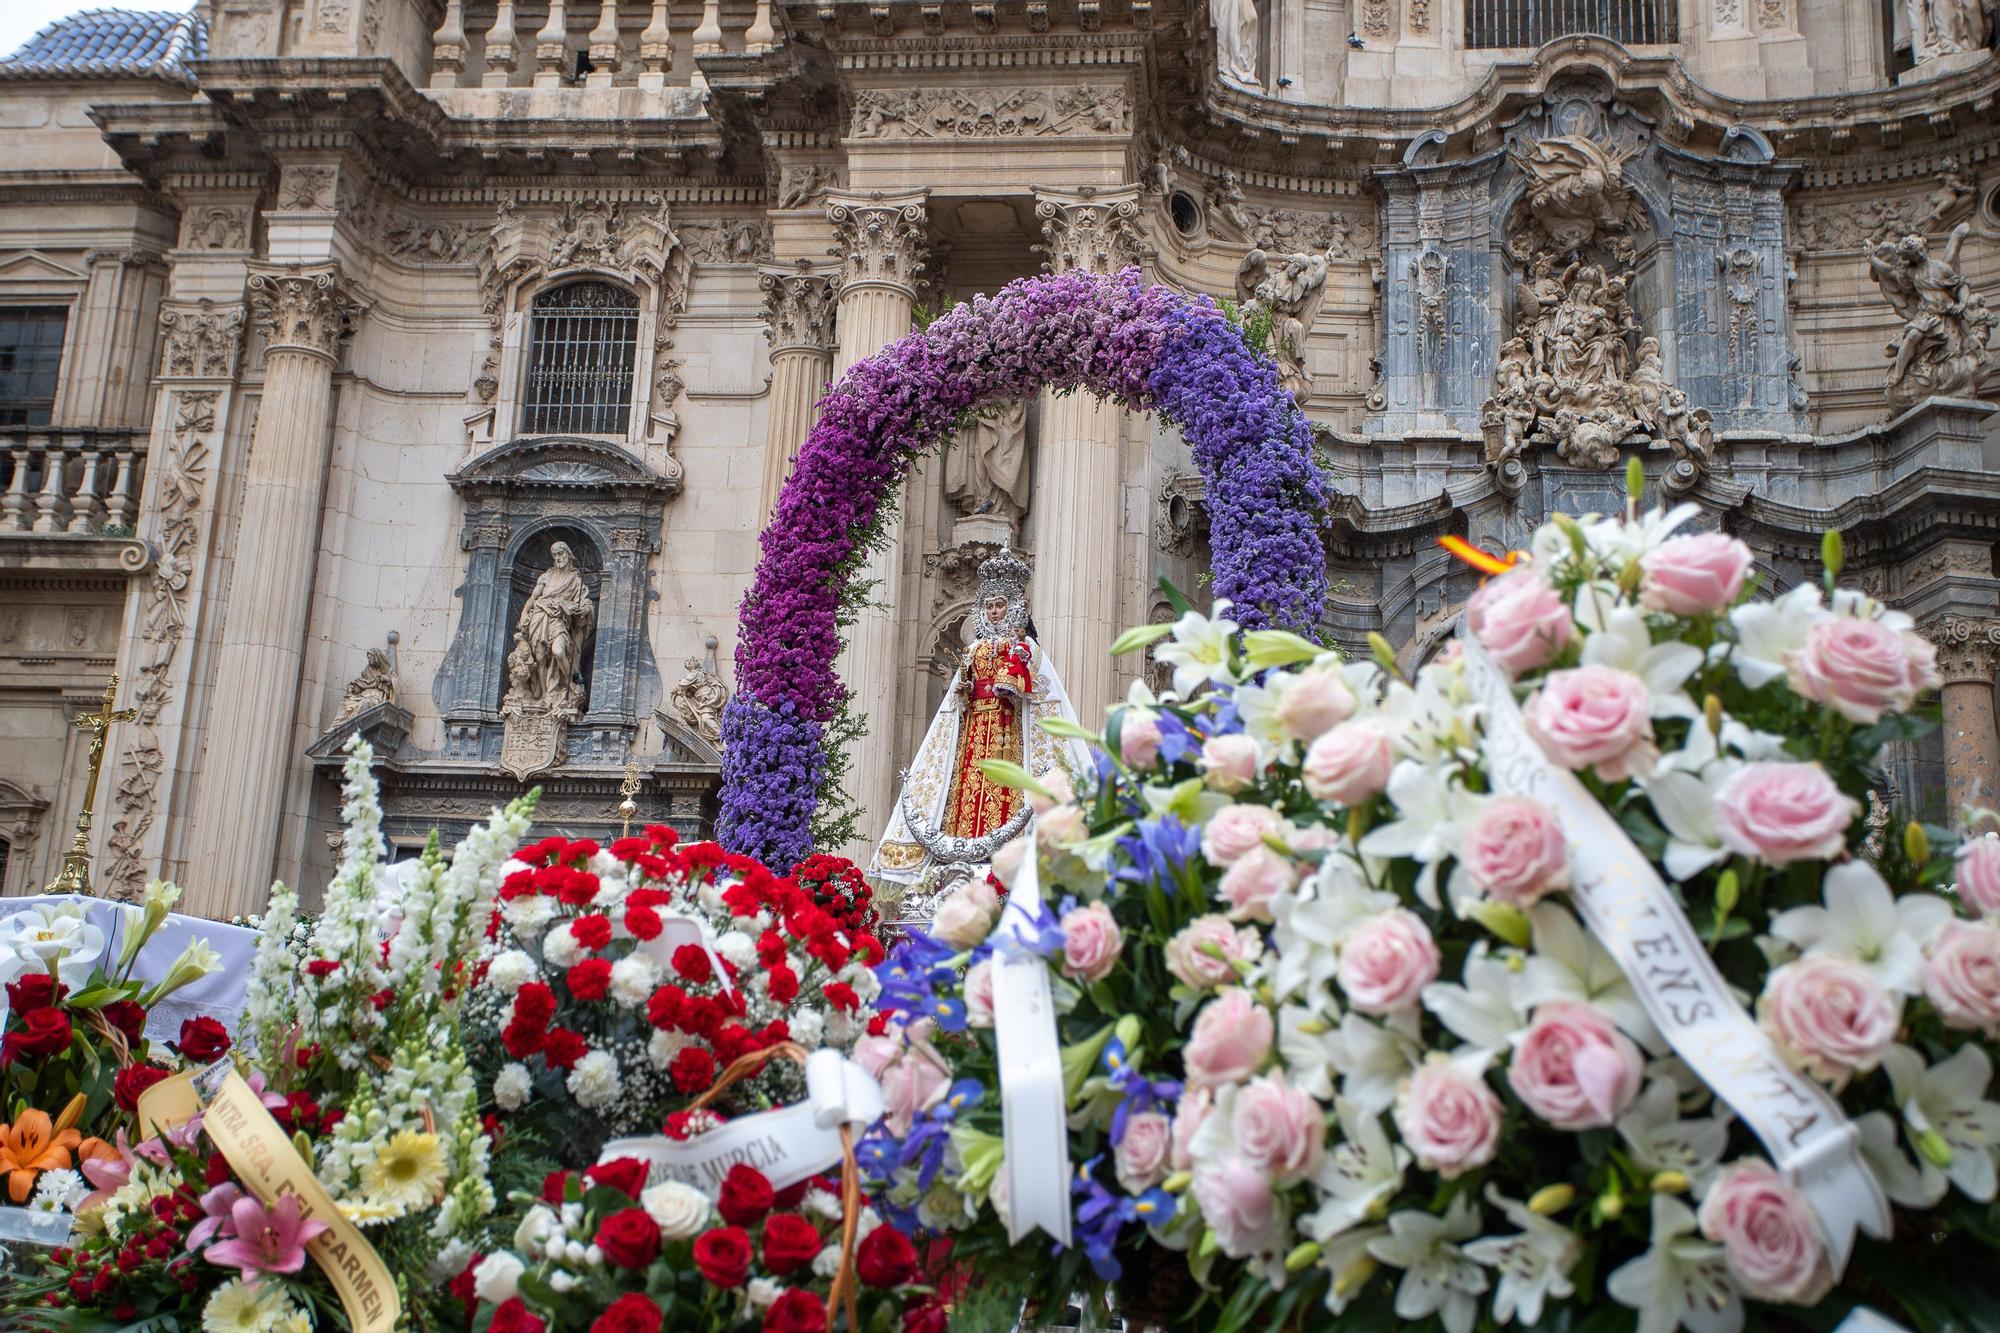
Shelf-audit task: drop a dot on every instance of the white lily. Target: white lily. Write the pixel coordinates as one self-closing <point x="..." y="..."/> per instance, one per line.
<point x="1533" y="1265"/>
<point x="1432" y="720"/>
<point x="50" y="937"/>
<point x="1910" y="1184"/>
<point x="1682" y="1281"/>
<point x="1568" y="964"/>
<point x="1198" y="650"/>
<point x="1306" y="1043"/>
<point x="1618" y="541"/>
<point x="1346" y="1257"/>
<point x="1863" y="920"/>
<point x="1357" y="1177"/>
<point x="1374" y="1060"/>
<point x="1619" y="638"/>
<point x="1433" y="812"/>
<point x="1854" y="604"/>
<point x="1946" y="1105"/>
<point x="1661" y="1141"/>
<point x="1438" y="1278"/>
<point x="1309" y="925"/>
<point x="1482" y="1012"/>
<point x="1769" y="632"/>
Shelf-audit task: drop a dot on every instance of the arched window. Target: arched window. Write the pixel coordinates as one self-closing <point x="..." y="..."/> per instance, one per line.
<point x="581" y="350"/>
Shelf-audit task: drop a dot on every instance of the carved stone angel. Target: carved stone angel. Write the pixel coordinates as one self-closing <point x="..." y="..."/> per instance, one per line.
<point x="1288" y="289"/>
<point x="1943" y="347"/>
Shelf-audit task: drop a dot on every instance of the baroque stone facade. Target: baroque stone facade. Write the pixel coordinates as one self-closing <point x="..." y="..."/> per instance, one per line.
<point x="492" y="339"/>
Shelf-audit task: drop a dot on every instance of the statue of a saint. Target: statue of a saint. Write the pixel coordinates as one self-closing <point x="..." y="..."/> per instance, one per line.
<point x="375" y="685"/>
<point x="1237" y="28"/>
<point x="555" y="624"/>
<point x="986" y="471"/>
<point x="949" y="817"/>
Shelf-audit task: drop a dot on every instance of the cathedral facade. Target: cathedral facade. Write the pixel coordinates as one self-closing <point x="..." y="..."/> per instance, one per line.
<point x="426" y="369"/>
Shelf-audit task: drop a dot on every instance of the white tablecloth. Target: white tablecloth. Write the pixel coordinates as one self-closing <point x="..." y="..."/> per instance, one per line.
<point x="219" y="994"/>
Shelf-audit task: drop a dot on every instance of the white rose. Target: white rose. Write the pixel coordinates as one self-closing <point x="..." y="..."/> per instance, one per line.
<point x="536" y="1228"/>
<point x="498" y="1277"/>
<point x="678" y="1210"/>
<point x="763" y="1292"/>
<point x="513" y="1086"/>
<point x="509" y="971"/>
<point x="633" y="980"/>
<point x="595" y="1082"/>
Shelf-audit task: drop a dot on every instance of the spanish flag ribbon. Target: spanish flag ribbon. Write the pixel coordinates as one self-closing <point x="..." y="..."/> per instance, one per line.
<point x="1483" y="561"/>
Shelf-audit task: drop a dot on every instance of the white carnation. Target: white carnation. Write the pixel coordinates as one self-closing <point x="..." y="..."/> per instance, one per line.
<point x="633" y="980"/>
<point x="562" y="947"/>
<point x="738" y="948"/>
<point x="530" y="915"/>
<point x="821" y="1203"/>
<point x="512" y="1086"/>
<point x="808" y="1026"/>
<point x="664" y="1046"/>
<point x="827" y="1262"/>
<point x="594" y="1082"/>
<point x="509" y="971"/>
<point x="678" y="1210"/>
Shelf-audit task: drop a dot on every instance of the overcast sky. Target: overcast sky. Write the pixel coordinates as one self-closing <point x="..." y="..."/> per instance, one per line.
<point x="22" y="19"/>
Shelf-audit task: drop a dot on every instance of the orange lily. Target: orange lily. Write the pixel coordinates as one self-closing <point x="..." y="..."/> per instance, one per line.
<point x="30" y="1146"/>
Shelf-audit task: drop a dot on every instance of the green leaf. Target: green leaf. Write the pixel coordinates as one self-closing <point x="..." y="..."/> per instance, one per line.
<point x="1138" y="637"/>
<point x="1277" y="647"/>
<point x="1175" y="598"/>
<point x="96" y="996"/>
<point x="1007" y="773"/>
<point x="1062" y="726"/>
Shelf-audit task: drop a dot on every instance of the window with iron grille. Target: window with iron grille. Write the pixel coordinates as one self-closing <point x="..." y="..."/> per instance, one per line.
<point x="1532" y="23"/>
<point x="31" y="341"/>
<point x="582" y="347"/>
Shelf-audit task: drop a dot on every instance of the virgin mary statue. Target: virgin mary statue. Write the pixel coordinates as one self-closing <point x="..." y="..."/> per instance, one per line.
<point x="949" y="818"/>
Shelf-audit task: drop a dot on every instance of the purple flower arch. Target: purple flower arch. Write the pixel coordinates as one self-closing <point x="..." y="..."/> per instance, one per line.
<point x="1149" y="347"/>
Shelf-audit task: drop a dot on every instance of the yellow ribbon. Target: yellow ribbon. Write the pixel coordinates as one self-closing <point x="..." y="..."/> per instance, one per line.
<point x="265" y="1160"/>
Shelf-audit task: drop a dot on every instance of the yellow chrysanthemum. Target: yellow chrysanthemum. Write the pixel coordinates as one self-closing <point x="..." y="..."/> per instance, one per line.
<point x="371" y="1212"/>
<point x="407" y="1170"/>
<point x="244" y="1307"/>
<point x="295" y="1322"/>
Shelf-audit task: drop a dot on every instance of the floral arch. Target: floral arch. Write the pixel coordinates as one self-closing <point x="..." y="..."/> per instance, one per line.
<point x="1146" y="346"/>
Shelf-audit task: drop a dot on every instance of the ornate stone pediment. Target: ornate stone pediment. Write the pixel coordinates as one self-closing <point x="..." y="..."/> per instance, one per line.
<point x="554" y="464"/>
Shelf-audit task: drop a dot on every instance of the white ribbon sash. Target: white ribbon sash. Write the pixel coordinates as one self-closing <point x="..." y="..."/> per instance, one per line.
<point x="1628" y="907"/>
<point x="788" y="1145"/>
<point x="678" y="930"/>
<point x="1034" y="1119"/>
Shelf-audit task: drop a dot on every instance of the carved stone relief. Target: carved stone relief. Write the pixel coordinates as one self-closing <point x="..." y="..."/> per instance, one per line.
<point x="308" y="189"/>
<point x="880" y="240"/>
<point x="1945" y="27"/>
<point x="1182" y="517"/>
<point x="1337" y="234"/>
<point x="986" y="469"/>
<point x="1947" y="327"/>
<point x="699" y="696"/>
<point x="988" y="113"/>
<point x="1286" y="290"/>
<point x="803" y="185"/>
<point x="201" y="340"/>
<point x="303" y="309"/>
<point x="216" y="227"/>
<point x="727" y="240"/>
<point x="1838" y="226"/>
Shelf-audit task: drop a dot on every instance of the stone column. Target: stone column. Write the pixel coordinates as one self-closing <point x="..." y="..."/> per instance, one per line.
<point x="882" y="246"/>
<point x="240" y="792"/>
<point x="1968" y="653"/>
<point x="798" y="323"/>
<point x="1073" y="520"/>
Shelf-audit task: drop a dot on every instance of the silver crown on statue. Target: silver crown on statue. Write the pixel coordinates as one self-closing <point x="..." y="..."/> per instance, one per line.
<point x="1003" y="575"/>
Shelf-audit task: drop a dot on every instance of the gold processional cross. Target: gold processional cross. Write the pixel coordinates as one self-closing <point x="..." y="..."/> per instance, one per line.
<point x="75" y="874"/>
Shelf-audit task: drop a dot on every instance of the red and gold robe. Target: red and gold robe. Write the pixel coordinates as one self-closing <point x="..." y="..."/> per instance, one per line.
<point x="998" y="678"/>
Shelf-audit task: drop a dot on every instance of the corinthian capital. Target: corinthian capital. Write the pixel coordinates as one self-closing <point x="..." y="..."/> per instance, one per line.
<point x="1092" y="230"/>
<point x="798" y="306"/>
<point x="303" y="309"/>
<point x="883" y="238"/>
<point x="1968" y="648"/>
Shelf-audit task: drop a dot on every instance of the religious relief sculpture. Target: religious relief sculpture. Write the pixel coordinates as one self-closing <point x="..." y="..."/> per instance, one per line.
<point x="950" y="818"/>
<point x="545" y="690"/>
<point x="1578" y="374"/>
<point x="986" y="469"/>
<point x="376" y="685"/>
<point x="1286" y="289"/>
<point x="700" y="695"/>
<point x="1947" y="327"/>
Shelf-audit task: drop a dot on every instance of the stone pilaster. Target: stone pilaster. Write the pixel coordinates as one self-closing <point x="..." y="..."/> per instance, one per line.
<point x="240" y="792"/>
<point x="1073" y="522"/>
<point x="1968" y="652"/>
<point x="883" y="245"/>
<point x="798" y="322"/>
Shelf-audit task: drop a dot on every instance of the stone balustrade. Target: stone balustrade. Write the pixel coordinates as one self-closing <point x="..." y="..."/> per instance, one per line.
<point x="629" y="43"/>
<point x="70" y="481"/>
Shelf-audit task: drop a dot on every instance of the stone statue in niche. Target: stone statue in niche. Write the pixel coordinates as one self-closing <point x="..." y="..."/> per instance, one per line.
<point x="1577" y="373"/>
<point x="986" y="470"/>
<point x="1947" y="327"/>
<point x="1237" y="29"/>
<point x="374" y="686"/>
<point x="1286" y="289"/>
<point x="555" y="625"/>
<point x="700" y="695"/>
<point x="1946" y="27"/>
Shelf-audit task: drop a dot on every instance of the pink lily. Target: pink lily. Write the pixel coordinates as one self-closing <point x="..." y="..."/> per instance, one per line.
<point x="273" y="1101"/>
<point x="108" y="1174"/>
<point x="217" y="1220"/>
<point x="267" y="1240"/>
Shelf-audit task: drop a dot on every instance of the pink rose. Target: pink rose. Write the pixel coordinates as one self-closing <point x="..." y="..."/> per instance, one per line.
<point x="1449" y="1117"/>
<point x="1962" y="976"/>
<point x="1230" y="763"/>
<point x="1859" y="668"/>
<point x="1091" y="942"/>
<point x="965" y="919"/>
<point x="1258" y="876"/>
<point x="1235" y="831"/>
<point x="1196" y="1105"/>
<point x="1140" y="1158"/>
<point x="1520" y="620"/>
<point x="1516" y="851"/>
<point x="1191" y="961"/>
<point x="1595" y="717"/>
<point x="1978" y="867"/>
<point x="1768" y="1233"/>
<point x="1060" y="792"/>
<point x="912" y="1084"/>
<point x="1314" y="700"/>
<point x="979" y="994"/>
<point x="1061" y="826"/>
<point x="1237" y="1203"/>
<point x="1279" y="1129"/>
<point x="1232" y="1035"/>
<point x="1780" y="813"/>
<point x="1349" y="764"/>
<point x="1386" y="962"/>
<point x="1139" y="740"/>
<point x="874" y="1053"/>
<point x="1694" y="576"/>
<point x="1831" y="1014"/>
<point x="1007" y="861"/>
<point x="1575" y="1069"/>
